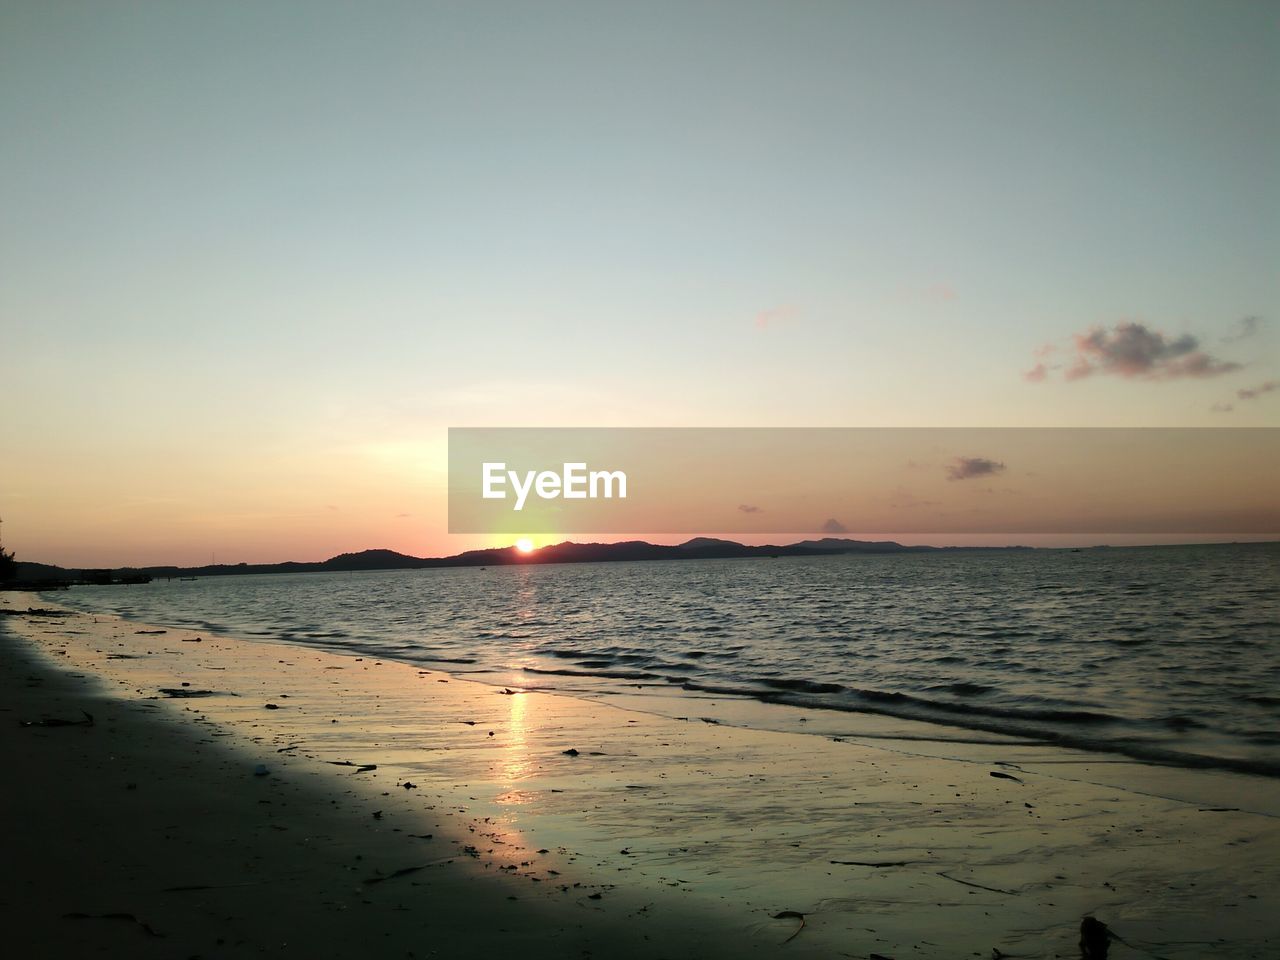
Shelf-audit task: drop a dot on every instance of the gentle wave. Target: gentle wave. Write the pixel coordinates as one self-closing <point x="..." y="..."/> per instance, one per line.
<point x="1164" y="654"/>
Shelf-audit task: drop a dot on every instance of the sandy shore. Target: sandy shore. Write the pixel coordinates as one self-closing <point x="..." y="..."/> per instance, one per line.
<point x="501" y="819"/>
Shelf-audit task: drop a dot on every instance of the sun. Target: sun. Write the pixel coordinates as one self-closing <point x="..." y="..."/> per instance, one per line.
<point x="524" y="545"/>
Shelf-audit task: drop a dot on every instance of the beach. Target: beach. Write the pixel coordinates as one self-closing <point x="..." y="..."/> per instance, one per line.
<point x="671" y="481"/>
<point x="248" y="798"/>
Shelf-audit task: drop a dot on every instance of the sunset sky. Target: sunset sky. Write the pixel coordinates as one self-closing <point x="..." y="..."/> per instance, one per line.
<point x="256" y="258"/>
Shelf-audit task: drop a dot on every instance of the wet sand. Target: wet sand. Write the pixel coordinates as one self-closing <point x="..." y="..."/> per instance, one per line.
<point x="502" y="819"/>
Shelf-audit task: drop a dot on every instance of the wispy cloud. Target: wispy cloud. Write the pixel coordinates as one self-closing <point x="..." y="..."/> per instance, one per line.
<point x="1244" y="328"/>
<point x="1247" y="393"/>
<point x="834" y="526"/>
<point x="749" y="508"/>
<point x="1036" y="374"/>
<point x="965" y="468"/>
<point x="937" y="291"/>
<point x="1253" y="393"/>
<point x="904" y="499"/>
<point x="1134" y="351"/>
<point x="778" y="316"/>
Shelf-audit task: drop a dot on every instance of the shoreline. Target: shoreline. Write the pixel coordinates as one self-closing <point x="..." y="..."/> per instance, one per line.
<point x="886" y="847"/>
<point x="849" y="710"/>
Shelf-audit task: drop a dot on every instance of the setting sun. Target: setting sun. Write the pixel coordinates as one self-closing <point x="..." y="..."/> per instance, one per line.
<point x="524" y="545"/>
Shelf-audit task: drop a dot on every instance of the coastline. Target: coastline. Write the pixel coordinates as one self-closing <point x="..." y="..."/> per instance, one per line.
<point x="888" y="847"/>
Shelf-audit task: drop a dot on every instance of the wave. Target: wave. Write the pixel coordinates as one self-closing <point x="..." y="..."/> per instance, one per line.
<point x="604" y="674"/>
<point x="1028" y="724"/>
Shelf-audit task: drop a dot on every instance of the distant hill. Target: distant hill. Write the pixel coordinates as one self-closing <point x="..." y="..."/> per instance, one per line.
<point x="845" y="545"/>
<point x="701" y="543"/>
<point x="369" y="560"/>
<point x="699" y="548"/>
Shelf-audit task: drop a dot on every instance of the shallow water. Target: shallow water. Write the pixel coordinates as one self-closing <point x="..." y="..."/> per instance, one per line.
<point x="1170" y="654"/>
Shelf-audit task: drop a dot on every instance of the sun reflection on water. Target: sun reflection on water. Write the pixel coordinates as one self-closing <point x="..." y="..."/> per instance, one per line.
<point x="516" y="762"/>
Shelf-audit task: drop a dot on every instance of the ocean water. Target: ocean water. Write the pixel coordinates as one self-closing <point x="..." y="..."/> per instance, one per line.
<point x="1169" y="654"/>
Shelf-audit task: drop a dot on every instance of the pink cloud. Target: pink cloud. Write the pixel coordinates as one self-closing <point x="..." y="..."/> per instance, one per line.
<point x="776" y="317"/>
<point x="1079" y="370"/>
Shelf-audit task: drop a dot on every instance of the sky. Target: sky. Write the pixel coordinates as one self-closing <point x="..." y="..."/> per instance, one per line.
<point x="257" y="258"/>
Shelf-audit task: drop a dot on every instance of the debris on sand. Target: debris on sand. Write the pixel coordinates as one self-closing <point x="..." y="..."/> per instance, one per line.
<point x="59" y="722"/>
<point x="359" y="767"/>
<point x="127" y="917"/>
<point x="403" y="872"/>
<point x="1095" y="939"/>
<point x="791" y="915"/>
<point x="183" y="692"/>
<point x="978" y="886"/>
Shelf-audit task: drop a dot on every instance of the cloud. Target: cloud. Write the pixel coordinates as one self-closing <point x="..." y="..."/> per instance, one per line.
<point x="776" y="317"/>
<point x="1036" y="374"/>
<point x="748" y="508"/>
<point x="1253" y="393"/>
<point x="834" y="526"/>
<point x="1247" y="393"/>
<point x="904" y="499"/>
<point x="403" y="516"/>
<point x="964" y="468"/>
<point x="1198" y="364"/>
<point x="1135" y="352"/>
<point x="931" y="292"/>
<point x="1244" y="328"/>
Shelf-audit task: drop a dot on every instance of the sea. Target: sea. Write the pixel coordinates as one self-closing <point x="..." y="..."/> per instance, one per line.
<point x="1162" y="654"/>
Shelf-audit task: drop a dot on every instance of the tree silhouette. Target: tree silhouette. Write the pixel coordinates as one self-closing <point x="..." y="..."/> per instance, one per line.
<point x="8" y="565"/>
